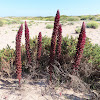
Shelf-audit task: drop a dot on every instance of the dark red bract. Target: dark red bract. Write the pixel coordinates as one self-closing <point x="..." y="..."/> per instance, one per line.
<point x="59" y="39"/>
<point x="80" y="46"/>
<point x="53" y="42"/>
<point x="27" y="44"/>
<point x="39" y="46"/>
<point x="18" y="53"/>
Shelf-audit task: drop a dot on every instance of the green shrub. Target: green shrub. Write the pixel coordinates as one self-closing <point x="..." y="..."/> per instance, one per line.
<point x="7" y="53"/>
<point x="91" y="53"/>
<point x="14" y="22"/>
<point x="78" y="30"/>
<point x="49" y="19"/>
<point x="72" y="19"/>
<point x="1" y="23"/>
<point x="87" y="17"/>
<point x="92" y="24"/>
<point x="92" y="17"/>
<point x="49" y="26"/>
<point x="98" y="19"/>
<point x="63" y="18"/>
<point x="84" y="17"/>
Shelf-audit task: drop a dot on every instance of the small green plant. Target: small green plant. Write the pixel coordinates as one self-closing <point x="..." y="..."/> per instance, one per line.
<point x="1" y="23"/>
<point x="49" y="26"/>
<point x="93" y="25"/>
<point x="78" y="30"/>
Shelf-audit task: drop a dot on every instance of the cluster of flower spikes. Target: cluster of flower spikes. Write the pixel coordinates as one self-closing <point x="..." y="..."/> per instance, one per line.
<point x="39" y="46"/>
<point x="18" y="53"/>
<point x="80" y="47"/>
<point x="27" y="43"/>
<point x="59" y="39"/>
<point x="53" y="42"/>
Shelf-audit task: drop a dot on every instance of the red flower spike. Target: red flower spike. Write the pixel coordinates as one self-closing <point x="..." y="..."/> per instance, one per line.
<point x="27" y="43"/>
<point x="53" y="42"/>
<point x="59" y="39"/>
<point x="18" y="53"/>
<point x="80" y="47"/>
<point x="39" y="46"/>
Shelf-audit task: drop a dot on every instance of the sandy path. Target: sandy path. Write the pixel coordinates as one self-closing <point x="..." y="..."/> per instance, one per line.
<point x="8" y="32"/>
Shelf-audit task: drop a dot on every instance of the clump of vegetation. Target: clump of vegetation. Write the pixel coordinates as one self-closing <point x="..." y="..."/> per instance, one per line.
<point x="72" y="19"/>
<point x="49" y="26"/>
<point x="14" y="22"/>
<point x="78" y="30"/>
<point x="7" y="53"/>
<point x="49" y="18"/>
<point x="93" y="25"/>
<point x="87" y="17"/>
<point x="98" y="19"/>
<point x="1" y="23"/>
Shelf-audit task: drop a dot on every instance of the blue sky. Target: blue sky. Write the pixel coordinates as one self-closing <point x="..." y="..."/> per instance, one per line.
<point x="48" y="7"/>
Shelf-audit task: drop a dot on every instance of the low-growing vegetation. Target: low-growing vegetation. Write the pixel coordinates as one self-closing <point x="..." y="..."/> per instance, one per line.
<point x="92" y="24"/>
<point x="78" y="30"/>
<point x="49" y="26"/>
<point x="72" y="19"/>
<point x="1" y="23"/>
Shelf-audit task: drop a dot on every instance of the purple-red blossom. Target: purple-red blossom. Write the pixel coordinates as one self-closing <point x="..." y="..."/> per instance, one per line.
<point x="59" y="39"/>
<point x="80" y="47"/>
<point x="18" y="53"/>
<point x="53" y="42"/>
<point x="39" y="46"/>
<point x="27" y="43"/>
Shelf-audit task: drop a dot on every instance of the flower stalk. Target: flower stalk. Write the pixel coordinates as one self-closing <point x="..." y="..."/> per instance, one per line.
<point x="80" y="47"/>
<point x="59" y="39"/>
<point x="53" y="42"/>
<point x="27" y="44"/>
<point x="39" y="46"/>
<point x="18" y="53"/>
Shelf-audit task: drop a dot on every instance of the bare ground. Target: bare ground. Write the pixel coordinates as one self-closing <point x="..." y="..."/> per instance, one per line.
<point x="37" y="90"/>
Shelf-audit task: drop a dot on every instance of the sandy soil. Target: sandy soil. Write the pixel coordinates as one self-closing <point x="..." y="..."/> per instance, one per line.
<point x="37" y="90"/>
<point x="8" y="32"/>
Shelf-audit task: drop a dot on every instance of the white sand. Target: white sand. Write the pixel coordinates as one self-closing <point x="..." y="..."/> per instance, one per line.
<point x="36" y="91"/>
<point x="8" y="32"/>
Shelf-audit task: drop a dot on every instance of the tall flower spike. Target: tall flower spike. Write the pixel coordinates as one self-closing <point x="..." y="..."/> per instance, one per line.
<point x="80" y="47"/>
<point x="39" y="46"/>
<point x="59" y="39"/>
<point x="53" y="42"/>
<point x="27" y="43"/>
<point x="18" y="54"/>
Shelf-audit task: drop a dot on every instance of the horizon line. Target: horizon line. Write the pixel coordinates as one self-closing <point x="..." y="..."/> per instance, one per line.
<point x="54" y="16"/>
